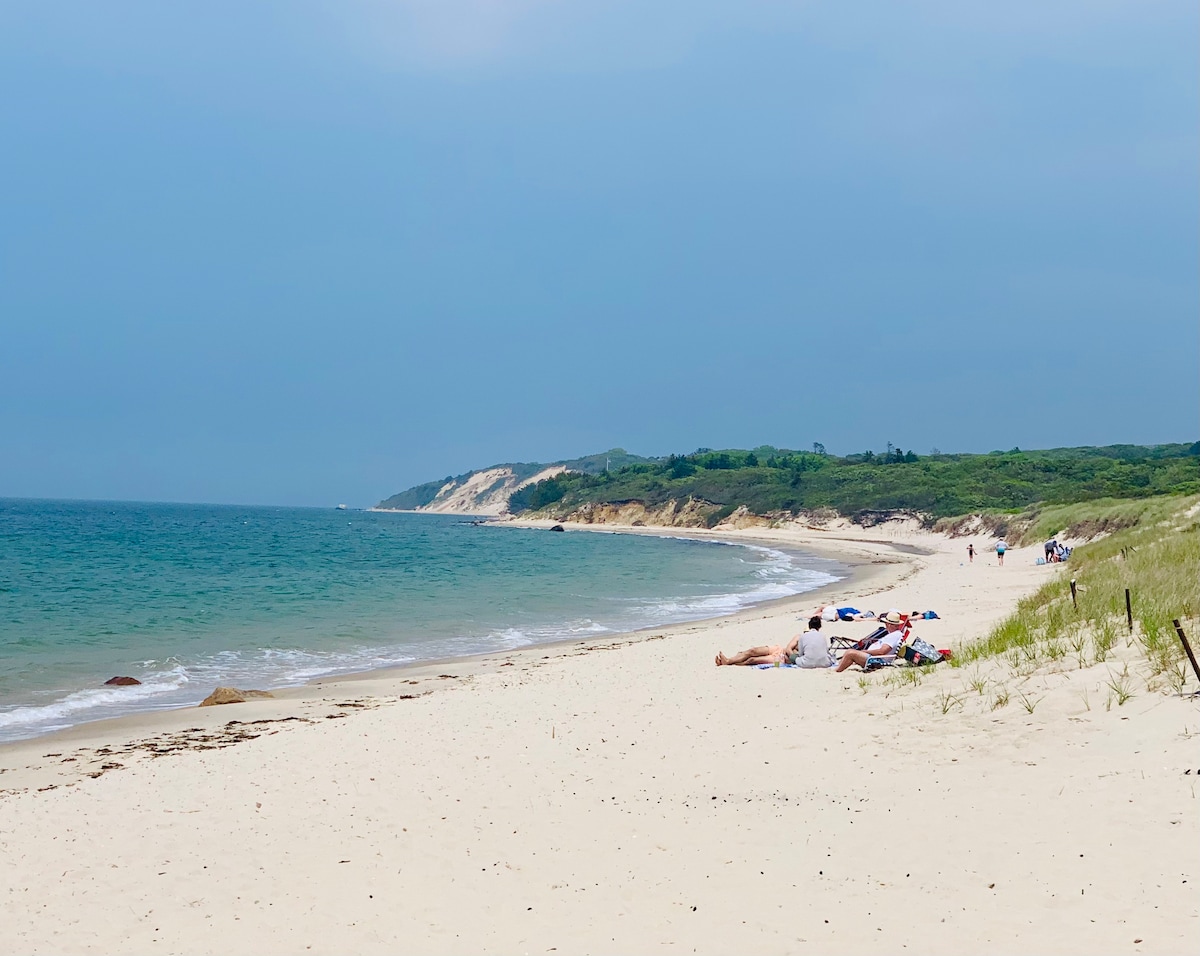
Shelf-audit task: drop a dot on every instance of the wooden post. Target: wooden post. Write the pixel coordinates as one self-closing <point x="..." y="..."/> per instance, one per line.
<point x="1128" y="611"/>
<point x="1074" y="599"/>
<point x="1187" y="647"/>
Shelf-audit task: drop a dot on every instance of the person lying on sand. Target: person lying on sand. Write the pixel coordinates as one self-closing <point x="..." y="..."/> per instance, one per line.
<point x="809" y="649"/>
<point x="831" y="613"/>
<point x="766" y="654"/>
<point x="883" y="651"/>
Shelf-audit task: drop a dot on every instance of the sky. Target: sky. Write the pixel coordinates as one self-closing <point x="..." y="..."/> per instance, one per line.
<point x="308" y="252"/>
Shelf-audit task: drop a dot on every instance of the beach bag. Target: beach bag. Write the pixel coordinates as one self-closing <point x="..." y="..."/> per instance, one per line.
<point x="918" y="652"/>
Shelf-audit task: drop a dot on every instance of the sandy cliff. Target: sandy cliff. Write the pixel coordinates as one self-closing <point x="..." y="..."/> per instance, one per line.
<point x="484" y="492"/>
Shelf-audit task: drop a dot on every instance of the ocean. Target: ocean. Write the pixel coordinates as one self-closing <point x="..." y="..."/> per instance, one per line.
<point x="186" y="597"/>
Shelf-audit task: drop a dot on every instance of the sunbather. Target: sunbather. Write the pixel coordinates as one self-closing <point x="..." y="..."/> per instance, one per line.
<point x="883" y="651"/>
<point x="809" y="649"/>
<point x="831" y="613"/>
<point x="766" y="654"/>
<point x="854" y="614"/>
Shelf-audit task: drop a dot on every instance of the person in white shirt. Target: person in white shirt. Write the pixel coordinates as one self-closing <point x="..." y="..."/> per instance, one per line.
<point x="883" y="651"/>
<point x="812" y="647"/>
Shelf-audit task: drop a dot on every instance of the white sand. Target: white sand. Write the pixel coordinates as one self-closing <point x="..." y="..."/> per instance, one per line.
<point x="628" y="796"/>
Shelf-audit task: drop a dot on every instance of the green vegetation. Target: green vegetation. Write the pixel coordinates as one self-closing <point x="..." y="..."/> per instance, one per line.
<point x="771" y="480"/>
<point x="1086" y="519"/>
<point x="416" y="497"/>
<point x="421" y="495"/>
<point x="1158" y="560"/>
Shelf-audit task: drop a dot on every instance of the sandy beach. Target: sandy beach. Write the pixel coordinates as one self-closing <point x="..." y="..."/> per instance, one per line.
<point x="625" y="795"/>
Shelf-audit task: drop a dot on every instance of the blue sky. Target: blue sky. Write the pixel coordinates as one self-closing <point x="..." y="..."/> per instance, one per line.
<point x="307" y="252"/>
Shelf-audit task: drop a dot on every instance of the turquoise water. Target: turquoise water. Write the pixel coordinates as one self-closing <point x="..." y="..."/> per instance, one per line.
<point x="185" y="597"/>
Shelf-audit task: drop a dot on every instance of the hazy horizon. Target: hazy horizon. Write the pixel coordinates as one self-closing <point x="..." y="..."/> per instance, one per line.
<point x="302" y="253"/>
<point x="479" y="467"/>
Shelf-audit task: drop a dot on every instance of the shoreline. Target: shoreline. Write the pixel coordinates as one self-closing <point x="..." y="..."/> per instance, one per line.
<point x="616" y="795"/>
<point x="862" y="569"/>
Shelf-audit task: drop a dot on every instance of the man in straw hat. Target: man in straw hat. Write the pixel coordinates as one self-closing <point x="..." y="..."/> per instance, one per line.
<point x="883" y="651"/>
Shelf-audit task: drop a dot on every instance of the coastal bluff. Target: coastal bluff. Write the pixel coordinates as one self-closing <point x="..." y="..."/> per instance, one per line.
<point x="487" y="491"/>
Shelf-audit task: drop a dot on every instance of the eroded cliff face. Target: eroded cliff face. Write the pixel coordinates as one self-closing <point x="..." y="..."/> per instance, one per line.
<point x="695" y="513"/>
<point x="484" y="492"/>
<point x="689" y="513"/>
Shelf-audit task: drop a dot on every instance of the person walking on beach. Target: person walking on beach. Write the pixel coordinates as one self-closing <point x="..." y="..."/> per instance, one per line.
<point x="970" y="553"/>
<point x="1001" y="547"/>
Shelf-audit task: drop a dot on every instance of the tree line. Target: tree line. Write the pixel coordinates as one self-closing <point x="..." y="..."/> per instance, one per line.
<point x="769" y="480"/>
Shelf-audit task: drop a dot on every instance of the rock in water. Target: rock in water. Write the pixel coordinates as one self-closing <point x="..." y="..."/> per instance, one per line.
<point x="121" y="682"/>
<point x="231" y="695"/>
<point x="558" y="527"/>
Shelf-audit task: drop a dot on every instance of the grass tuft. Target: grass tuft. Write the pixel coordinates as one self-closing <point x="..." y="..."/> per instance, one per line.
<point x="1119" y="685"/>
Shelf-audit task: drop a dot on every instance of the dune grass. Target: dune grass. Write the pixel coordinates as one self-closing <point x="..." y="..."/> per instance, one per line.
<point x="1088" y="519"/>
<point x="1081" y="520"/>
<point x="1156" y="554"/>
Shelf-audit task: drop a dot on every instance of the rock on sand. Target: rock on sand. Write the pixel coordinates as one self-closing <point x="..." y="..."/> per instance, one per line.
<point x="231" y="695"/>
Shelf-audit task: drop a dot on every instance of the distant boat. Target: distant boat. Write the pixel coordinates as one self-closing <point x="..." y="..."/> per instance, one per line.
<point x="342" y="508"/>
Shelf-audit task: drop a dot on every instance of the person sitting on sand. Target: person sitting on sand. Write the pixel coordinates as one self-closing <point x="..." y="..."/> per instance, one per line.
<point x="883" y="651"/>
<point x="810" y="649"/>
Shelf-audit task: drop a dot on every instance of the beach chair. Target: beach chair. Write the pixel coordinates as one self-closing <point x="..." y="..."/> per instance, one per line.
<point x="838" y="643"/>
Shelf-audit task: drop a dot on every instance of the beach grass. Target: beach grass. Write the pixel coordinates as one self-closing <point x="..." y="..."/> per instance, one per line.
<point x="1088" y="519"/>
<point x="1154" y="552"/>
<point x="1082" y="520"/>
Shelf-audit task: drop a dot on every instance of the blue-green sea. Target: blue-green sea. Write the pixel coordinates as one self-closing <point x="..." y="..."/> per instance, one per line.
<point x="186" y="597"/>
